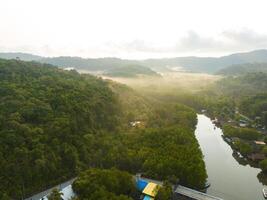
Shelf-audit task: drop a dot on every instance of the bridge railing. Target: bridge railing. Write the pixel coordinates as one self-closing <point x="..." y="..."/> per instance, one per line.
<point x="194" y="193"/>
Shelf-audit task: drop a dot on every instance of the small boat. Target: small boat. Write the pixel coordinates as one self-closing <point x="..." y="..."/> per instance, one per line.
<point x="264" y="191"/>
<point x="207" y="185"/>
<point x="239" y="155"/>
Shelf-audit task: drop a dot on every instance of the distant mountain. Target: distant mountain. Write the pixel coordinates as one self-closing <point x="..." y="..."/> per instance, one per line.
<point x="209" y="64"/>
<point x="131" y="71"/>
<point x="113" y="67"/>
<point x="21" y="56"/>
<point x="108" y="66"/>
<point x="91" y="64"/>
<point x="241" y="69"/>
<point x="193" y="64"/>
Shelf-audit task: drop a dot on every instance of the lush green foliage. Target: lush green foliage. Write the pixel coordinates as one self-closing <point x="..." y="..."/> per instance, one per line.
<point x="245" y="85"/>
<point x="55" y="195"/>
<point x="263" y="165"/>
<point x="55" y="123"/>
<point x="167" y="151"/>
<point x="256" y="107"/>
<point x="165" y="192"/>
<point x="105" y="184"/>
<point x="243" y="147"/>
<point x="247" y="93"/>
<point x="243" y="133"/>
<point x="134" y="105"/>
<point x="44" y="113"/>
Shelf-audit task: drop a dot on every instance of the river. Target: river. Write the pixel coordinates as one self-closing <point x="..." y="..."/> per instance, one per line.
<point x="229" y="180"/>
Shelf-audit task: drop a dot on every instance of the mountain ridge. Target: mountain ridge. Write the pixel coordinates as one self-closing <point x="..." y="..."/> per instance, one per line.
<point x="189" y="63"/>
<point x="241" y="69"/>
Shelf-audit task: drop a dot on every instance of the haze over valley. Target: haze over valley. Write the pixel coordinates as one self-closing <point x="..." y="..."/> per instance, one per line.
<point x="189" y="64"/>
<point x="133" y="100"/>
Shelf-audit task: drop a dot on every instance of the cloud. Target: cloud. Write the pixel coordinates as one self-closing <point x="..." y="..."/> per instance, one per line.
<point x="246" y="38"/>
<point x="40" y="50"/>
<point x="226" y="41"/>
<point x="195" y="42"/>
<point x="138" y="45"/>
<point x="192" y="43"/>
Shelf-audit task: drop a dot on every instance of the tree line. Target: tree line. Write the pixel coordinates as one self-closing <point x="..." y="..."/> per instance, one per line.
<point x="55" y="124"/>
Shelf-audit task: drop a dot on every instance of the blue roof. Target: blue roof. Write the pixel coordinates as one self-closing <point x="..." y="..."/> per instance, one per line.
<point x="141" y="184"/>
<point x="147" y="197"/>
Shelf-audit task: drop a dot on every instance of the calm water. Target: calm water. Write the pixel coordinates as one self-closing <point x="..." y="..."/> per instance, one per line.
<point x="229" y="180"/>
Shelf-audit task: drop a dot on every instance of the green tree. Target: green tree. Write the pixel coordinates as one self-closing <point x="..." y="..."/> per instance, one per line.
<point x="165" y="192"/>
<point x="264" y="150"/>
<point x="55" y="195"/>
<point x="105" y="184"/>
<point x="263" y="165"/>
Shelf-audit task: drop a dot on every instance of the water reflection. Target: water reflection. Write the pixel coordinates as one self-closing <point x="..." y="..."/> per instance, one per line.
<point x="230" y="180"/>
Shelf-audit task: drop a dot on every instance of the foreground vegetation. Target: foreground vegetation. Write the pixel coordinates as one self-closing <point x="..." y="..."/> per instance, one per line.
<point x="163" y="153"/>
<point x="112" y="184"/>
<point x="105" y="185"/>
<point x="44" y="112"/>
<point x="243" y="140"/>
<point x="55" y="124"/>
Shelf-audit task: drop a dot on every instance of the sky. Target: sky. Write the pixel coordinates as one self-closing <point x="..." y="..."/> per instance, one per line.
<point x="134" y="29"/>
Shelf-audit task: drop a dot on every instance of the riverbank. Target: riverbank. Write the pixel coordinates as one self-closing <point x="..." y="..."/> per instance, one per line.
<point x="247" y="142"/>
<point x="228" y="178"/>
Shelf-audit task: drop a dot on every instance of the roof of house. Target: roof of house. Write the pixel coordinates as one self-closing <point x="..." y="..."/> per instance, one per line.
<point x="146" y="197"/>
<point x="151" y="189"/>
<point x="259" y="142"/>
<point x="141" y="184"/>
<point x="256" y="156"/>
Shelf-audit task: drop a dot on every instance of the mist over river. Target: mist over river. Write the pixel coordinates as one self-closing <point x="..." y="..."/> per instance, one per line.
<point x="229" y="180"/>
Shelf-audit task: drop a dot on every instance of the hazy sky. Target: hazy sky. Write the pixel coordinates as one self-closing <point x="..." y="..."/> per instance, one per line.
<point x="132" y="28"/>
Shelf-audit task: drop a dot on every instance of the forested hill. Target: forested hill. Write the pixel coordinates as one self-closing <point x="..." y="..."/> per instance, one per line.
<point x="55" y="124"/>
<point x="209" y="64"/>
<point x="91" y="64"/>
<point x="190" y="63"/>
<point x="244" y="85"/>
<point x="247" y="92"/>
<point x="241" y="69"/>
<point x="108" y="66"/>
<point x="22" y="56"/>
<point x="45" y="114"/>
<point x="131" y="71"/>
